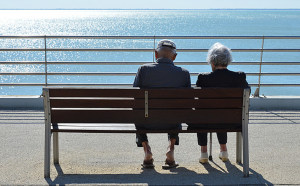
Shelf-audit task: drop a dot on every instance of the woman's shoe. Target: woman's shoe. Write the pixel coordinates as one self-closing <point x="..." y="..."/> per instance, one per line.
<point x="223" y="156"/>
<point x="203" y="157"/>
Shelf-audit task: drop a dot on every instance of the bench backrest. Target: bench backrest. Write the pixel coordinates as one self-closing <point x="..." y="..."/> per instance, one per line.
<point x="134" y="105"/>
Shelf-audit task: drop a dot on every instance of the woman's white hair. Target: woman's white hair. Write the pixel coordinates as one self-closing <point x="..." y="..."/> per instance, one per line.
<point x="219" y="55"/>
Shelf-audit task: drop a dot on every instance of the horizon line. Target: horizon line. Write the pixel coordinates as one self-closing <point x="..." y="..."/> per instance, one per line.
<point x="150" y="9"/>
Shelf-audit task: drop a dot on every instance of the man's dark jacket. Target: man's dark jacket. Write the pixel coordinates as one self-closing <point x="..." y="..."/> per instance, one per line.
<point x="162" y="74"/>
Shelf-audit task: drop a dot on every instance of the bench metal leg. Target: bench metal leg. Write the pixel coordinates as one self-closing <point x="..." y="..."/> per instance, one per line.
<point x="55" y="148"/>
<point x="47" y="133"/>
<point x="245" y="132"/>
<point x="239" y="147"/>
<point x="210" y="147"/>
<point x="245" y="150"/>
<point x="47" y="152"/>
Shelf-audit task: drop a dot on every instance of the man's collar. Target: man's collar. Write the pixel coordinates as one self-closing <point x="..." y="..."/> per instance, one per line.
<point x="164" y="60"/>
<point x="220" y="68"/>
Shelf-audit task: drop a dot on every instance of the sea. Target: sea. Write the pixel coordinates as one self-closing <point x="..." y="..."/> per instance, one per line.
<point x="144" y="23"/>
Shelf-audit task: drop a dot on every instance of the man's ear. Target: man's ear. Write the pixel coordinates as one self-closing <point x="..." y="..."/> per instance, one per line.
<point x="156" y="54"/>
<point x="174" y="56"/>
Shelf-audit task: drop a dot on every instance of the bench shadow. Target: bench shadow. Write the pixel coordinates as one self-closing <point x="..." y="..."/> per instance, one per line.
<point x="232" y="168"/>
<point x="176" y="176"/>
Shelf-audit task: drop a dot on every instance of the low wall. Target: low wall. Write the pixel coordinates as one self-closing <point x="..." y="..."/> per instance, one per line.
<point x="21" y="102"/>
<point x="262" y="103"/>
<point x="275" y="103"/>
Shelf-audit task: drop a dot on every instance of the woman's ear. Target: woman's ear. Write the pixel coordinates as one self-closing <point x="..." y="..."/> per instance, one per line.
<point x="213" y="67"/>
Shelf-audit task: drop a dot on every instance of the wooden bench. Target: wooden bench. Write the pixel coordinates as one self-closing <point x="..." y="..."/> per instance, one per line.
<point x="107" y="110"/>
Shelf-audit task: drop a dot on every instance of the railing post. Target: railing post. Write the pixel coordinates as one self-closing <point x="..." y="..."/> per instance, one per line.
<point x="153" y="49"/>
<point x="256" y="94"/>
<point x="46" y="66"/>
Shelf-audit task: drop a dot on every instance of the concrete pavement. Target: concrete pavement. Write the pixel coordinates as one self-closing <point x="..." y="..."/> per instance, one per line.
<point x="111" y="159"/>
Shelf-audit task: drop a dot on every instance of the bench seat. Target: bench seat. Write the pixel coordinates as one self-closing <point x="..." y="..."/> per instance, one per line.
<point x="126" y="128"/>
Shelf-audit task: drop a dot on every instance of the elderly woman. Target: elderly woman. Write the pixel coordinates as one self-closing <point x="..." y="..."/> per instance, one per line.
<point x="219" y="57"/>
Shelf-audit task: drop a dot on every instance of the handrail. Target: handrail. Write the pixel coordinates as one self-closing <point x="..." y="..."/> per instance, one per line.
<point x="124" y="74"/>
<point x="122" y="84"/>
<point x="131" y="50"/>
<point x="150" y="37"/>
<point x="133" y="63"/>
<point x="46" y="62"/>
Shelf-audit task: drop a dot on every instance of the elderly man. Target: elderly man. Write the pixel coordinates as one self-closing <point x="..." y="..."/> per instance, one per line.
<point x="162" y="74"/>
<point x="219" y="57"/>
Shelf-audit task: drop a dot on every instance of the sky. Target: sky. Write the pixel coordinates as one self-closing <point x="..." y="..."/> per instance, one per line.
<point x="149" y="4"/>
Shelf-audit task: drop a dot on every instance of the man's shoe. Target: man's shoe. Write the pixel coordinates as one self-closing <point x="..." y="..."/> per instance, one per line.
<point x="203" y="157"/>
<point x="223" y="156"/>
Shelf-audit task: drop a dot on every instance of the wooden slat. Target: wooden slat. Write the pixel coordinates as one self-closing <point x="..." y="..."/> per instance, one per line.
<point x="96" y="116"/>
<point x="205" y="116"/>
<point x="220" y="93"/>
<point x="89" y="92"/>
<point x="140" y="103"/>
<point x="153" y="93"/>
<point x="196" y="103"/>
<point x="196" y="92"/>
<point x="94" y="103"/>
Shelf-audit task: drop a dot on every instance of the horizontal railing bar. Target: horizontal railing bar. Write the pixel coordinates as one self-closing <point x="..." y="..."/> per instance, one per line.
<point x="134" y="63"/>
<point x="102" y="63"/>
<point x="123" y="73"/>
<point x="73" y="73"/>
<point x="132" y="50"/>
<point x="122" y="85"/>
<point x="150" y="37"/>
<point x="273" y="74"/>
<point x="22" y="37"/>
<point x="61" y="84"/>
<point x="22" y="62"/>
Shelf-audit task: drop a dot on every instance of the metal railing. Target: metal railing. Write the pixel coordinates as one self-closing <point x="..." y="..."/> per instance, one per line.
<point x="45" y="49"/>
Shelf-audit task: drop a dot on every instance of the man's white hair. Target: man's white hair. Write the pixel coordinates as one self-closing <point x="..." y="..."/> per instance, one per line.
<point x="219" y="55"/>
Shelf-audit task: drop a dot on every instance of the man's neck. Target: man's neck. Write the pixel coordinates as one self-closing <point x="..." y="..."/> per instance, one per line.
<point x="219" y="68"/>
<point x="164" y="59"/>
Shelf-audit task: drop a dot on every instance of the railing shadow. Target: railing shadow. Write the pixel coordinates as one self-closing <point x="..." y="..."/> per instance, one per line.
<point x="176" y="176"/>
